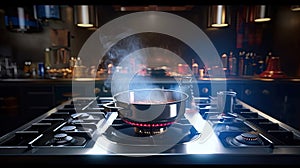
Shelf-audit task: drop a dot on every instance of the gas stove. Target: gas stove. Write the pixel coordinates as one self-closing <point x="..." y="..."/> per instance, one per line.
<point x="80" y="131"/>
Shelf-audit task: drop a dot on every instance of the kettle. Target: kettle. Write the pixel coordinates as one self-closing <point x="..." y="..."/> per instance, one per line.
<point x="59" y="57"/>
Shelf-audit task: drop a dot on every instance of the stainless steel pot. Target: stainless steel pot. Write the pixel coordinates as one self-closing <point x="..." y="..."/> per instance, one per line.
<point x="149" y="107"/>
<point x="59" y="57"/>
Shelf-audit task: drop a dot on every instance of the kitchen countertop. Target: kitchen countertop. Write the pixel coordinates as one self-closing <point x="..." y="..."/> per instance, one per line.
<point x="159" y="79"/>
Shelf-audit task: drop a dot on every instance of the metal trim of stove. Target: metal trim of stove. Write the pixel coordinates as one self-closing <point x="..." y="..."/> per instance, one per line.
<point x="79" y="128"/>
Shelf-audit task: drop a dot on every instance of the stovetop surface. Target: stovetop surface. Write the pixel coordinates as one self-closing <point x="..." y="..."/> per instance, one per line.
<point x="81" y="127"/>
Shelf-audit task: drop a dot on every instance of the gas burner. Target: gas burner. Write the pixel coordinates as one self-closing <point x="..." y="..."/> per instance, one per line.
<point x="76" y="121"/>
<point x="68" y="128"/>
<point x="220" y="119"/>
<point x="246" y="139"/>
<point x="233" y="126"/>
<point x="80" y="116"/>
<point x="149" y="125"/>
<point x="79" y="128"/>
<point x="227" y="118"/>
<point x="149" y="131"/>
<point x="123" y="133"/>
<point x="62" y="138"/>
<point x="148" y="128"/>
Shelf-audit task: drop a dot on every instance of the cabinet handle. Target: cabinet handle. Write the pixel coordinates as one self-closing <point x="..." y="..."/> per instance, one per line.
<point x="248" y="92"/>
<point x="104" y="89"/>
<point x="266" y="92"/>
<point x="97" y="90"/>
<point x="205" y="90"/>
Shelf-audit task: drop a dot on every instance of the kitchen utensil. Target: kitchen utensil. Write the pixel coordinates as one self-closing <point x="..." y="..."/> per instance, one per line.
<point x="59" y="57"/>
<point x="149" y="107"/>
<point x="226" y="101"/>
<point x="273" y="69"/>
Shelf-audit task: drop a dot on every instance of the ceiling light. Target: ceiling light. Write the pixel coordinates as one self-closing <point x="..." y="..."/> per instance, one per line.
<point x="218" y="16"/>
<point x="262" y="13"/>
<point x="295" y="7"/>
<point x="85" y="16"/>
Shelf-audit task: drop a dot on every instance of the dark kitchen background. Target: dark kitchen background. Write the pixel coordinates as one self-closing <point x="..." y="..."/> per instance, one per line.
<point x="26" y="94"/>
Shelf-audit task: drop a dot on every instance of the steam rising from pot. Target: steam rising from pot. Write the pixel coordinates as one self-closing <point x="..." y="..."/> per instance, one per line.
<point x="149" y="57"/>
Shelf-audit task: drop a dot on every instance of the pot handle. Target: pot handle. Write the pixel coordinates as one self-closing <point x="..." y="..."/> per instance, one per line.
<point x="110" y="107"/>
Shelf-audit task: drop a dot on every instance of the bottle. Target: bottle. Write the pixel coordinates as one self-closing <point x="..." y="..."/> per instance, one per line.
<point x="267" y="59"/>
<point x="246" y="64"/>
<point x="41" y="69"/>
<point x="261" y="67"/>
<point x="47" y="59"/>
<point x="72" y="62"/>
<point x="252" y="63"/>
<point x="249" y="63"/>
<point x="110" y="68"/>
<point x="33" y="70"/>
<point x="195" y="68"/>
<point x="205" y="73"/>
<point x="232" y="64"/>
<point x="241" y="63"/>
<point x="78" y="62"/>
<point x="225" y="63"/>
<point x="26" y="69"/>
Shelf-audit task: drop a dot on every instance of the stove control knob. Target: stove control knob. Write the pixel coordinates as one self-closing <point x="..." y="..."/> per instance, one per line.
<point x="105" y="90"/>
<point x="248" y="92"/>
<point x="97" y="90"/>
<point x="205" y="90"/>
<point x="265" y="92"/>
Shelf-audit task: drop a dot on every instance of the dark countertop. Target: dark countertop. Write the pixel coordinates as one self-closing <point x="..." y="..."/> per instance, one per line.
<point x="150" y="79"/>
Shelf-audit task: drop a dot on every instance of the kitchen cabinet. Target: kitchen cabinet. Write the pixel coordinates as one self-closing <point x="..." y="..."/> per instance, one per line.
<point x="290" y="99"/>
<point x="22" y="102"/>
<point x="10" y="115"/>
<point x="62" y="93"/>
<point x="9" y="100"/>
<point x="279" y="99"/>
<point x="264" y="96"/>
<point x="210" y="88"/>
<point x="36" y="100"/>
<point x="65" y="91"/>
